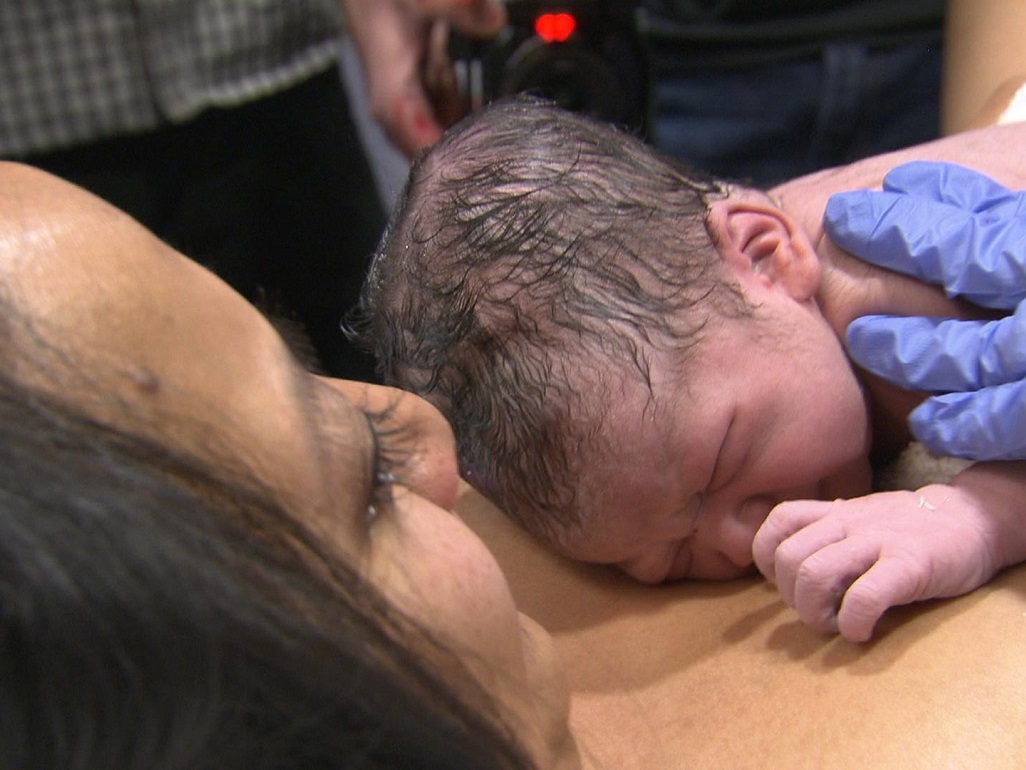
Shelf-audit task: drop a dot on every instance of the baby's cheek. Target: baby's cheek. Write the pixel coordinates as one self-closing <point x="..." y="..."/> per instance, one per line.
<point x="853" y="479"/>
<point x="722" y="546"/>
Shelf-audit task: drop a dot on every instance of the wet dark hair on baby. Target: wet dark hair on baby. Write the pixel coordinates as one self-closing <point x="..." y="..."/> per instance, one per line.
<point x="531" y="249"/>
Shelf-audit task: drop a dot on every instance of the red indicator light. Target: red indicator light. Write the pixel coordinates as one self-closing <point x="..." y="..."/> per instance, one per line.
<point x="555" y="27"/>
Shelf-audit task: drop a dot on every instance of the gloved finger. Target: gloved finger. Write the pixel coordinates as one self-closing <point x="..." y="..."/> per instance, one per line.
<point x="949" y="183"/>
<point x="941" y="355"/>
<point x="978" y="255"/>
<point x="988" y="424"/>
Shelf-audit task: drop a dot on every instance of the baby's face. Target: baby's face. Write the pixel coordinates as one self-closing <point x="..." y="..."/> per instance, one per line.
<point x="767" y="409"/>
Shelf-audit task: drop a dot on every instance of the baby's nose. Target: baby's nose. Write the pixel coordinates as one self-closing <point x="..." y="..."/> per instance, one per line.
<point x="735" y="531"/>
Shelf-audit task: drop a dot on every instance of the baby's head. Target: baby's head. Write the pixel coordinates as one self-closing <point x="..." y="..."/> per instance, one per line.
<point x="549" y="283"/>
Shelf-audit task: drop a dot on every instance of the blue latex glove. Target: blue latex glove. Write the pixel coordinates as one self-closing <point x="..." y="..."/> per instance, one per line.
<point x="947" y="225"/>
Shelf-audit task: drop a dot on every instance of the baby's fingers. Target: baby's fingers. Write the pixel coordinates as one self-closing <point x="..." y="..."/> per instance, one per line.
<point x="888" y="583"/>
<point x="823" y="578"/>
<point x="783" y="522"/>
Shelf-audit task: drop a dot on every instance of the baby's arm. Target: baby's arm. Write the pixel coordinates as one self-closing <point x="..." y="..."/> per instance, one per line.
<point x="841" y="564"/>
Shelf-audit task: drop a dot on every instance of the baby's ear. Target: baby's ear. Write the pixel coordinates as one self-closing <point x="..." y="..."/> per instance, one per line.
<point x="759" y="242"/>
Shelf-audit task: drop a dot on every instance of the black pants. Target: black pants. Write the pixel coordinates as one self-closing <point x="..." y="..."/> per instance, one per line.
<point x="276" y="196"/>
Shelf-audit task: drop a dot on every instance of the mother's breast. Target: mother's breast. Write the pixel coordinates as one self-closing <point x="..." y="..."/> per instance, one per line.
<point x="723" y="675"/>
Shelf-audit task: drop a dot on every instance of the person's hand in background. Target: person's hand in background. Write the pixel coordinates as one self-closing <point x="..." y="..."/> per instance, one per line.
<point x="402" y="47"/>
<point x="950" y="226"/>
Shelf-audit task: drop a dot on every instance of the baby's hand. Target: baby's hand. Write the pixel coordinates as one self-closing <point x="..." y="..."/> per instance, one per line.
<point x="841" y="564"/>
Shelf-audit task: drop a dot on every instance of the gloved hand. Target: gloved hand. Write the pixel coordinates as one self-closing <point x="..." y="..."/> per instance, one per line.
<point x="951" y="226"/>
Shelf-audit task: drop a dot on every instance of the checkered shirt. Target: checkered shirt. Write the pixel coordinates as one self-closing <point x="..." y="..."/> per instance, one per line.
<point x="72" y="71"/>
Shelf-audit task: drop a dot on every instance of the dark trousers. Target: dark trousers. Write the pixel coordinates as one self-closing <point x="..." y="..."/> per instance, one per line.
<point x="772" y="122"/>
<point x="276" y="197"/>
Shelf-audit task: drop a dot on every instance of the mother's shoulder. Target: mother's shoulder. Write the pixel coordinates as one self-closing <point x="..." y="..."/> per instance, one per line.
<point x="997" y="151"/>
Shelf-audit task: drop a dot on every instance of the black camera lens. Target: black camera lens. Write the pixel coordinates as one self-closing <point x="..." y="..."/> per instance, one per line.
<point x="573" y="76"/>
<point x="595" y="66"/>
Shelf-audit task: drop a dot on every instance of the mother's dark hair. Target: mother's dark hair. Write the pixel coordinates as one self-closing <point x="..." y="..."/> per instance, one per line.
<point x="156" y="612"/>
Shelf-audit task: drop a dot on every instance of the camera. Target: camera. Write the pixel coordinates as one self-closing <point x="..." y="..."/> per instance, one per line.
<point x="585" y="55"/>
